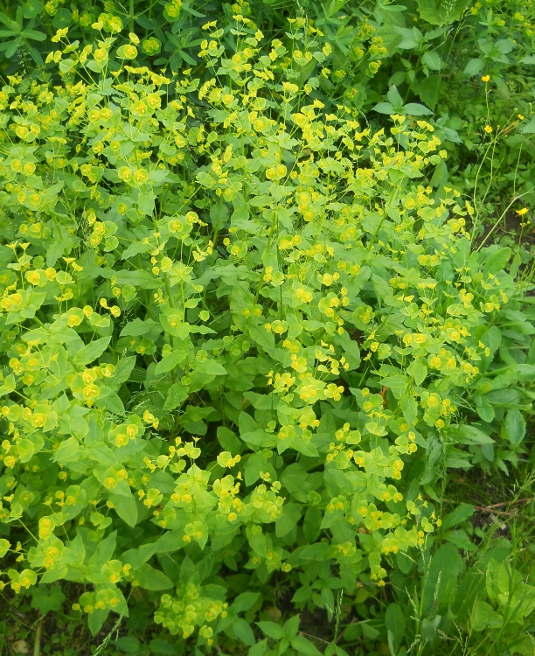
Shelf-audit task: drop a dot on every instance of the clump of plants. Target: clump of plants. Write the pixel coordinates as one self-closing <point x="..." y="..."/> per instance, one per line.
<point x="242" y="339"/>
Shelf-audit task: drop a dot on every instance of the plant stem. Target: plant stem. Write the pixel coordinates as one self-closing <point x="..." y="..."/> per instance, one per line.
<point x="131" y="16"/>
<point x="37" y="644"/>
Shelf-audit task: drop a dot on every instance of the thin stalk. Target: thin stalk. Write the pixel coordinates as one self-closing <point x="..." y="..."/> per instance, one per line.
<point x="131" y="16"/>
<point x="511" y="203"/>
<point x="37" y="643"/>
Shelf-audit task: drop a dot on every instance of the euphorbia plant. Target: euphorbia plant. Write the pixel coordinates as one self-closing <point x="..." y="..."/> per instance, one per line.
<point x="235" y="332"/>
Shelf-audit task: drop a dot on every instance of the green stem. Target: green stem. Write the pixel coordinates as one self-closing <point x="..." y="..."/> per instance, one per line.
<point x="37" y="644"/>
<point x="131" y="16"/>
<point x="411" y="83"/>
<point x="498" y="221"/>
<point x="168" y="289"/>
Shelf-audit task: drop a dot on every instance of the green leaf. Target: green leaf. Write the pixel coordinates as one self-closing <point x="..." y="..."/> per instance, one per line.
<point x="458" y="516"/>
<point x="146" y="202"/>
<point x="432" y="60"/>
<point x="305" y="447"/>
<point x="409" y="407"/>
<point x="291" y="514"/>
<point x="123" y="369"/>
<point x="497" y="260"/>
<point x="210" y="366"/>
<point x="69" y="451"/>
<point x="474" y="67"/>
<point x="484" y="617"/>
<point x="243" y="631"/>
<point x="228" y="440"/>
<point x="137" y="557"/>
<point x="384" y="108"/>
<point x="252" y="434"/>
<point x="523" y="644"/>
<point x="135" y="249"/>
<point x="257" y="465"/>
<point x="4" y="547"/>
<point x="32" y="8"/>
<point x="438" y="12"/>
<point x="441" y="583"/>
<point x="395" y="99"/>
<point x="484" y="408"/>
<point x="141" y="279"/>
<point x="316" y="551"/>
<point x="368" y="631"/>
<point x="33" y="34"/>
<point x="113" y="403"/>
<point x="128" y="644"/>
<point x="418" y="372"/>
<point x="529" y="128"/>
<point x="96" y="620"/>
<point x="515" y="426"/>
<point x="312" y="523"/>
<point x="245" y="601"/>
<point x="47" y="598"/>
<point x="125" y="507"/>
<point x="91" y="351"/>
<point x="304" y="646"/>
<point x="271" y="629"/>
<point x="291" y="626"/>
<point x="218" y="216"/>
<point x="9" y="385"/>
<point x="162" y="648"/>
<point x="151" y="578"/>
<point x="466" y="434"/>
<point x="104" y="551"/>
<point x="170" y="362"/>
<point x="260" y="649"/>
<point x="416" y="109"/>
<point x="63" y="278"/>
<point x="139" y="327"/>
<point x="395" y="622"/>
<point x="54" y="575"/>
<point x="177" y="394"/>
<point x="351" y="349"/>
<point x="460" y="539"/>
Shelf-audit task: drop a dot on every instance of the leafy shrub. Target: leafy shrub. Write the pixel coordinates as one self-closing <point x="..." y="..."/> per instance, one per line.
<point x="469" y="63"/>
<point x="241" y="334"/>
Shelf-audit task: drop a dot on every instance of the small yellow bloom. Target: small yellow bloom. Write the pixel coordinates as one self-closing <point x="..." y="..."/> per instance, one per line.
<point x="521" y="212"/>
<point x="33" y="277"/>
<point x="60" y="34"/>
<point x="488" y="129"/>
<point x="485" y="78"/>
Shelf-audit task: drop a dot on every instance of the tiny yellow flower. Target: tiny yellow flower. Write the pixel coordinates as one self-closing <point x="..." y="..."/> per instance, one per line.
<point x="488" y="129"/>
<point x="59" y="35"/>
<point x="485" y="78"/>
<point x="33" y="277"/>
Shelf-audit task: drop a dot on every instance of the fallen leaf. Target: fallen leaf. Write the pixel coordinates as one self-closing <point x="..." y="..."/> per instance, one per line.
<point x="20" y="647"/>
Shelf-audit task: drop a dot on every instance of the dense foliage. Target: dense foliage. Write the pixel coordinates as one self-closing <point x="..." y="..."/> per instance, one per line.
<point x="254" y="313"/>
